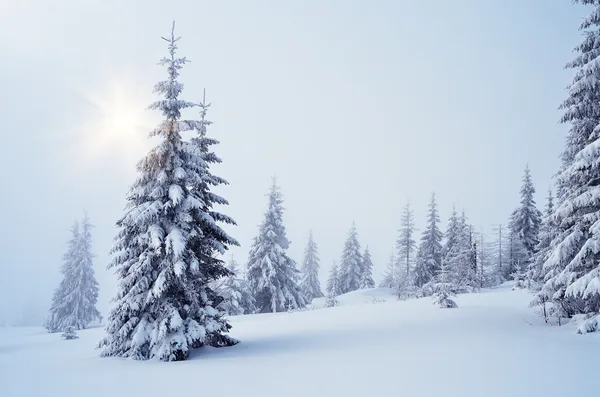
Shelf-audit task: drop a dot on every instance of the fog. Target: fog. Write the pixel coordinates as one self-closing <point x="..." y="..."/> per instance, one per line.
<point x="356" y="107"/>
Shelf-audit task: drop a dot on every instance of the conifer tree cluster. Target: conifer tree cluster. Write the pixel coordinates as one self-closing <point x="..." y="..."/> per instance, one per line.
<point x="356" y="267"/>
<point x="74" y="301"/>
<point x="237" y="297"/>
<point x="568" y="250"/>
<point x="166" y="254"/>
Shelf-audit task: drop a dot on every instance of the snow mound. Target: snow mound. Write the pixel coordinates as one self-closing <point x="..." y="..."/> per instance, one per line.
<point x="360" y="297"/>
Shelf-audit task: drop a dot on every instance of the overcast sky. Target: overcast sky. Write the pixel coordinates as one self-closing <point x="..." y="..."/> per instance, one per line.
<point x="355" y="106"/>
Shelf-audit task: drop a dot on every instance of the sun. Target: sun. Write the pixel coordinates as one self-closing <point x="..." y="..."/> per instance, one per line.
<point x="117" y="124"/>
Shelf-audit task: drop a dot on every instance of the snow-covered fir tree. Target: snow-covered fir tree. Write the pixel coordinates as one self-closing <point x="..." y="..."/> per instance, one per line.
<point x="74" y="301"/>
<point x="390" y="277"/>
<point x="310" y="284"/>
<point x="69" y="334"/>
<point x="524" y="228"/>
<point x="334" y="285"/>
<point x="351" y="270"/>
<point x="272" y="274"/>
<point x="429" y="254"/>
<point x="406" y="248"/>
<point x="546" y="235"/>
<point x="443" y="290"/>
<point x="572" y="269"/>
<point x="458" y="253"/>
<point x="234" y="289"/>
<point x="166" y="254"/>
<point x="366" y="280"/>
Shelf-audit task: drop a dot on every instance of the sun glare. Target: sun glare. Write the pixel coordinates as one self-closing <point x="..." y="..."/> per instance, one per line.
<point x="118" y="126"/>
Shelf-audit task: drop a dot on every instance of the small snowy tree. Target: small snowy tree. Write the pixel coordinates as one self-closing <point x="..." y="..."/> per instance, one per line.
<point x="237" y="296"/>
<point x="166" y="254"/>
<point x="458" y="253"/>
<point x="69" y="334"/>
<point x="74" y="301"/>
<point x="366" y="280"/>
<point x="351" y="271"/>
<point x="310" y="284"/>
<point x="334" y="287"/>
<point x="546" y="235"/>
<point x="390" y="277"/>
<point x="272" y="273"/>
<point x="443" y="290"/>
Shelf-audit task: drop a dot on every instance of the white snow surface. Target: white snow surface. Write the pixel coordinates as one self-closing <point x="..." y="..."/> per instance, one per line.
<point x="491" y="345"/>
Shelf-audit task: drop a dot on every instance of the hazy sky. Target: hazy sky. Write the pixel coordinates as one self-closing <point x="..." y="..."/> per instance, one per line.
<point x="356" y="106"/>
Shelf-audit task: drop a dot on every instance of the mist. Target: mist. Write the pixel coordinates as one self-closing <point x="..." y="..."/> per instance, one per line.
<point x="355" y="108"/>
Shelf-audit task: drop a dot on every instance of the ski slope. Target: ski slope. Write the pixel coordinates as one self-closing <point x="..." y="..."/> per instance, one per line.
<point x="492" y="345"/>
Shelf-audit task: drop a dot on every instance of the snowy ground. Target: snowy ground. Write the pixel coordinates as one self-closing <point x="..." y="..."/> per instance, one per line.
<point x="492" y="345"/>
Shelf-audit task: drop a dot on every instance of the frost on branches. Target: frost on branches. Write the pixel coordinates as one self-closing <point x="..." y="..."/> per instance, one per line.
<point x="310" y="284"/>
<point x="165" y="254"/>
<point x="74" y="301"/>
<point x="236" y="293"/>
<point x="572" y="268"/>
<point x="272" y="273"/>
<point x="351" y="270"/>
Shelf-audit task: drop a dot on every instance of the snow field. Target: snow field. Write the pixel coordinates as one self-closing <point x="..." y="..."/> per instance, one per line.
<point x="492" y="345"/>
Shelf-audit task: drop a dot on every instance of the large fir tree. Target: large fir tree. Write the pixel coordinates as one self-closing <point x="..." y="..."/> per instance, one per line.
<point x="310" y="284"/>
<point x="166" y="252"/>
<point x="74" y="301"/>
<point x="572" y="268"/>
<point x="429" y="258"/>
<point x="366" y="280"/>
<point x="351" y="271"/>
<point x="272" y="274"/>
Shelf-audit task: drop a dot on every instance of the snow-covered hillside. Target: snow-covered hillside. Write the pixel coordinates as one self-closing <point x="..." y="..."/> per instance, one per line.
<point x="492" y="345"/>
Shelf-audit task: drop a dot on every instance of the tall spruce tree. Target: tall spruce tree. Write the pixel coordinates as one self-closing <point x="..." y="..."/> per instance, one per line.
<point x="572" y="268"/>
<point x="272" y="274"/>
<point x="429" y="256"/>
<point x="166" y="253"/>
<point x="366" y="280"/>
<point x="405" y="244"/>
<point x="351" y="266"/>
<point x="525" y="227"/>
<point x="310" y="284"/>
<point x="74" y="301"/>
